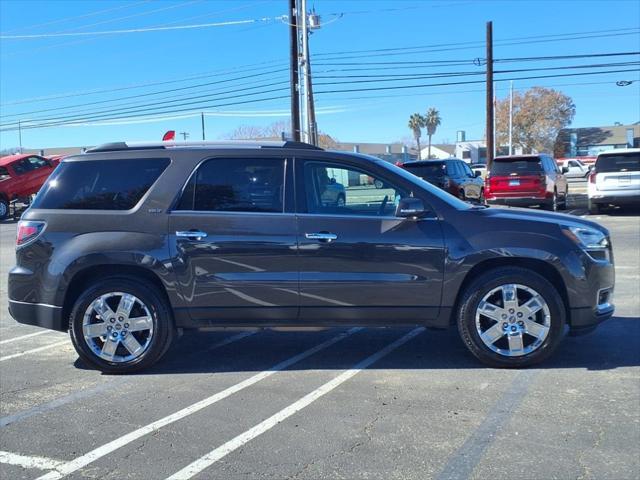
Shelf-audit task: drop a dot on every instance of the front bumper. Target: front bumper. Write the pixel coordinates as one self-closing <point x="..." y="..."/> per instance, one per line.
<point x="38" y="314"/>
<point x="585" y="320"/>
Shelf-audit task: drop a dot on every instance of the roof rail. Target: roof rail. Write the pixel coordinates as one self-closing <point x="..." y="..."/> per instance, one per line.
<point x="123" y="146"/>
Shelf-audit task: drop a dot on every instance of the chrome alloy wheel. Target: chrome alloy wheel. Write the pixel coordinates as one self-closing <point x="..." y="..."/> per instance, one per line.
<point x="513" y="320"/>
<point x="117" y="327"/>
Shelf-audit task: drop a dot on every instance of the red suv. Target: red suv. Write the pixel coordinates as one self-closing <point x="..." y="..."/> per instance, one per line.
<point x="526" y="180"/>
<point x="21" y="176"/>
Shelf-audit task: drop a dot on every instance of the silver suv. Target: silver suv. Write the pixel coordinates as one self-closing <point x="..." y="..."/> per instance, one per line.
<point x="615" y="179"/>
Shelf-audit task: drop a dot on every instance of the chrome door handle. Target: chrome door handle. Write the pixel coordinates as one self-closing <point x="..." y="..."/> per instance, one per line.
<point x="197" y="234"/>
<point x="322" y="236"/>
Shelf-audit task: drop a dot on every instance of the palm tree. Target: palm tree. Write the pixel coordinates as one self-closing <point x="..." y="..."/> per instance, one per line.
<point x="431" y="121"/>
<point x="416" y="122"/>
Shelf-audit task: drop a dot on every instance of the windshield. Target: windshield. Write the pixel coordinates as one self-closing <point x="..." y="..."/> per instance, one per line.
<point x="509" y="165"/>
<point x="622" y="162"/>
<point x="426" y="170"/>
<point x="423" y="184"/>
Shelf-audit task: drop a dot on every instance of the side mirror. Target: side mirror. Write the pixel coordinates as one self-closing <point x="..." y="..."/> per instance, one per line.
<point x="477" y="173"/>
<point x="410" y="207"/>
<point x="564" y="169"/>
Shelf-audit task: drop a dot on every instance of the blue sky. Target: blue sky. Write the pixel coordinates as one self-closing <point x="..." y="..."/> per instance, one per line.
<point x="254" y="56"/>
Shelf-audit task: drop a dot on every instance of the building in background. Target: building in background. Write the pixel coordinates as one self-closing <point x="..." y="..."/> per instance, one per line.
<point x="439" y="151"/>
<point x="590" y="141"/>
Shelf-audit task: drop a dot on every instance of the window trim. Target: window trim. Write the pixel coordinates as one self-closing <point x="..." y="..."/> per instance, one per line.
<point x="287" y="160"/>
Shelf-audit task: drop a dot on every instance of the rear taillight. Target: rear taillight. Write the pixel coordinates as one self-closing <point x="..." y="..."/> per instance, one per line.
<point x="592" y="177"/>
<point x="28" y="230"/>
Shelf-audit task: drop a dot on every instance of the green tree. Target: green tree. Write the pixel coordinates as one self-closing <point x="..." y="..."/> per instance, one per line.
<point x="416" y="122"/>
<point x="538" y="116"/>
<point x="431" y="121"/>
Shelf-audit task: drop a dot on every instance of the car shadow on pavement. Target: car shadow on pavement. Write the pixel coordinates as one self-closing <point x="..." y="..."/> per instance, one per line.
<point x="614" y="344"/>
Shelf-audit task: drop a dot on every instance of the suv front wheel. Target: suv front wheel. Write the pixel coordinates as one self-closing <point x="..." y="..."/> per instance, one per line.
<point x="511" y="317"/>
<point x="120" y="326"/>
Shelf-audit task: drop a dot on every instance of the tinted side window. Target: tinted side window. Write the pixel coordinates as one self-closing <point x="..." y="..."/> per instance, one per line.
<point x="236" y="185"/>
<point x="21" y="167"/>
<point x="4" y="173"/>
<point x="100" y="184"/>
<point x="466" y="170"/>
<point x="337" y="189"/>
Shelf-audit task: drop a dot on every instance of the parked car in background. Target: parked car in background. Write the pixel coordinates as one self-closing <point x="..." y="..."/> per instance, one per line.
<point x="451" y="175"/>
<point x="615" y="179"/>
<point x="479" y="167"/>
<point x="575" y="168"/>
<point x="125" y="245"/>
<point x="526" y="180"/>
<point x="21" y="176"/>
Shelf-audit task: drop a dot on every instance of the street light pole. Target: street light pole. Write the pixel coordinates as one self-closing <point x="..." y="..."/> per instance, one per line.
<point x="20" y="135"/>
<point x="202" y="121"/>
<point x="511" y="118"/>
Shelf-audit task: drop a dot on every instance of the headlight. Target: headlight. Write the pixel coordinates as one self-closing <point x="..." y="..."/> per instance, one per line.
<point x="587" y="238"/>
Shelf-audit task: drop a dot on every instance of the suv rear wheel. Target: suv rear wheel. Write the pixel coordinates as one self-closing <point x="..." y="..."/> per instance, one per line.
<point x="511" y="317"/>
<point x="594" y="208"/>
<point x="119" y="325"/>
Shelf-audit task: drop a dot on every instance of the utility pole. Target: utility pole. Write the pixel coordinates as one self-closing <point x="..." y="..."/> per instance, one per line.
<point x="202" y="121"/>
<point x="489" y="125"/>
<point x="305" y="69"/>
<point x="511" y="117"/>
<point x="294" y="77"/>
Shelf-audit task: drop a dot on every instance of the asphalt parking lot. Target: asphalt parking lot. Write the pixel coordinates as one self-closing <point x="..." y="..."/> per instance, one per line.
<point x="340" y="403"/>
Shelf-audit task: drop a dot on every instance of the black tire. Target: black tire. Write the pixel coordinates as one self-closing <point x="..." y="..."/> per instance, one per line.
<point x="553" y="204"/>
<point x="162" y="319"/>
<point x="485" y="283"/>
<point x="565" y="201"/>
<point x="4" y="209"/>
<point x="341" y="201"/>
<point x="594" y="208"/>
<point x="462" y="195"/>
<point x="481" y="199"/>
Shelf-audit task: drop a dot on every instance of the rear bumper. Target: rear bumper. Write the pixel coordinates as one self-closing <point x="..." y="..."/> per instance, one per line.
<point x="618" y="198"/>
<point x="38" y="314"/>
<point x="518" y="201"/>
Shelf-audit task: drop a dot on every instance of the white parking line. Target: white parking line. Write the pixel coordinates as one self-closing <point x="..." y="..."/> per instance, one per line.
<point x="26" y="461"/>
<point x="15" y="339"/>
<point x="84" y="460"/>
<point x="222" y="451"/>
<point x="82" y="394"/>
<point x="33" y="350"/>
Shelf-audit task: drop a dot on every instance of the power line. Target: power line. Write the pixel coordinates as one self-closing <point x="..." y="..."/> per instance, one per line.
<point x="130" y="97"/>
<point x="105" y="117"/>
<point x="135" y="30"/>
<point x="262" y="85"/>
<point x="77" y="17"/>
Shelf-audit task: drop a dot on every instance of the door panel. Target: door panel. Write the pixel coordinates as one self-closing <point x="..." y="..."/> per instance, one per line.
<point x="233" y="245"/>
<point x="244" y="271"/>
<point x="367" y="266"/>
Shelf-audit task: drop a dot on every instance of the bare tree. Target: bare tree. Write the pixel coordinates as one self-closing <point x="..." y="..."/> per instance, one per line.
<point x="538" y="116"/>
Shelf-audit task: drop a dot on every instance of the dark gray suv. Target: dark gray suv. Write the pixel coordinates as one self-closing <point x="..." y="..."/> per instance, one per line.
<point x="128" y="244"/>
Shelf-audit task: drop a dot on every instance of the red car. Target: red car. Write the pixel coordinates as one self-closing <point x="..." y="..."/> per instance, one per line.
<point x="21" y="176"/>
<point x="526" y="180"/>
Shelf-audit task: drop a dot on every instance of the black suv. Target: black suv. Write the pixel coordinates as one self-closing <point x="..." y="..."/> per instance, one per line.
<point x="126" y="245"/>
<point x="452" y="175"/>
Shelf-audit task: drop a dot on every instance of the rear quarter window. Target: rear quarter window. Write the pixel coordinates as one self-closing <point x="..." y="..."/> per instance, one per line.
<point x="100" y="184"/>
<point x="624" y="162"/>
<point x="4" y="173"/>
